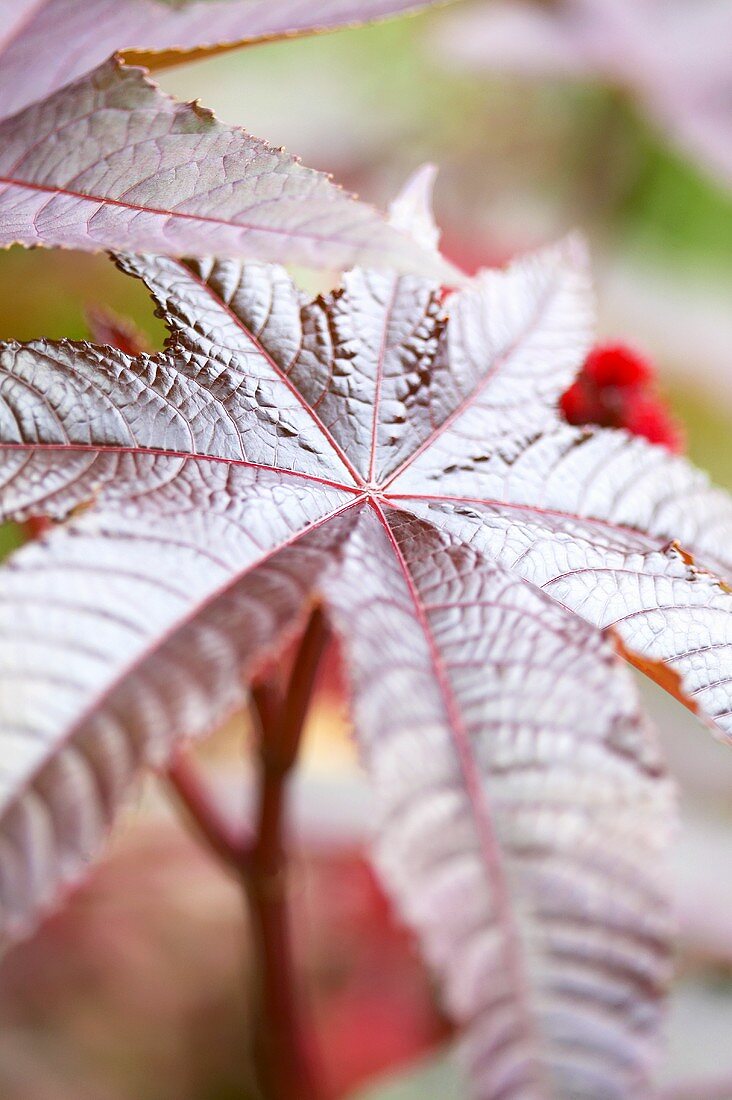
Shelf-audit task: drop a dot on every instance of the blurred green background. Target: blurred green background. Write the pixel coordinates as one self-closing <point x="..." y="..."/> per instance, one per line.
<point x="134" y="993"/>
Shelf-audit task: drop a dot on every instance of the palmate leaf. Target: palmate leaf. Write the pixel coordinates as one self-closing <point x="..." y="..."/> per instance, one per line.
<point x="397" y="453"/>
<point x="45" y="45"/>
<point x="111" y="162"/>
<point x="675" y="59"/>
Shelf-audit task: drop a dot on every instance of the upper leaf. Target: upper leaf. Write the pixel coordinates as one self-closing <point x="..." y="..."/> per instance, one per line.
<point x="409" y="445"/>
<point x="676" y="59"/>
<point x="46" y="45"/>
<point x="112" y="162"/>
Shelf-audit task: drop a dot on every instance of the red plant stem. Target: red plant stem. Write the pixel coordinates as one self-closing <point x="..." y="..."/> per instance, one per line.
<point x="282" y="1062"/>
<point x="35" y="527"/>
<point x="200" y="805"/>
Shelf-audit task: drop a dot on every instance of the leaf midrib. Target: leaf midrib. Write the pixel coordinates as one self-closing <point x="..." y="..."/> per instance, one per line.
<point x="281" y="374"/>
<point x="163" y="212"/>
<point x="653" y="543"/>
<point x="472" y="396"/>
<point x="190" y="456"/>
<point x="387" y="498"/>
<point x="493" y="857"/>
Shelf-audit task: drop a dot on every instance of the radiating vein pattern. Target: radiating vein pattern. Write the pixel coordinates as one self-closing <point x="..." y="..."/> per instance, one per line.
<point x="522" y="806"/>
<point x="170" y="595"/>
<point x="397" y="452"/>
<point x="76" y="419"/>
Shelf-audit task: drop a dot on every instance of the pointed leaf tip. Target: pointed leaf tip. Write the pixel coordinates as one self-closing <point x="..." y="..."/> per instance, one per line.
<point x="191" y="185"/>
<point x="412" y="210"/>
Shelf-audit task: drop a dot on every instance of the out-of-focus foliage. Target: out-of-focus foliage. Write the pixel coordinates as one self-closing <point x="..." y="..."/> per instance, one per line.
<point x="673" y="58"/>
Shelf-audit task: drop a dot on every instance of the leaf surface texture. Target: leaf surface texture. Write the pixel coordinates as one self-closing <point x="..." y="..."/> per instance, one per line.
<point x="111" y="162"/>
<point x="397" y="453"/>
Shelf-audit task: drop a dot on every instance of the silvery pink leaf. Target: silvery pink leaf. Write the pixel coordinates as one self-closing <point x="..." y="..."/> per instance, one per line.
<point x="522" y="810"/>
<point x="673" y="618"/>
<point x="674" y="58"/>
<point x="45" y="45"/>
<point x="472" y="547"/>
<point x="173" y="596"/>
<point x="112" y="162"/>
<point x="589" y="516"/>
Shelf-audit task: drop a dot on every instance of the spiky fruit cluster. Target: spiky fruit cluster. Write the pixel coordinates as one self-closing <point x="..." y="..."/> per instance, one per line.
<point x="617" y="389"/>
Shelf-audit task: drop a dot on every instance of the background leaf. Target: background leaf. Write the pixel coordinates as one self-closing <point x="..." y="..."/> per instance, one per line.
<point x="674" y="59"/>
<point x="44" y="46"/>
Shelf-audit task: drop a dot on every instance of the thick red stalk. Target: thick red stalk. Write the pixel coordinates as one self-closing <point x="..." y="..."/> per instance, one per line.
<point x="281" y="1058"/>
<point x="282" y="1061"/>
